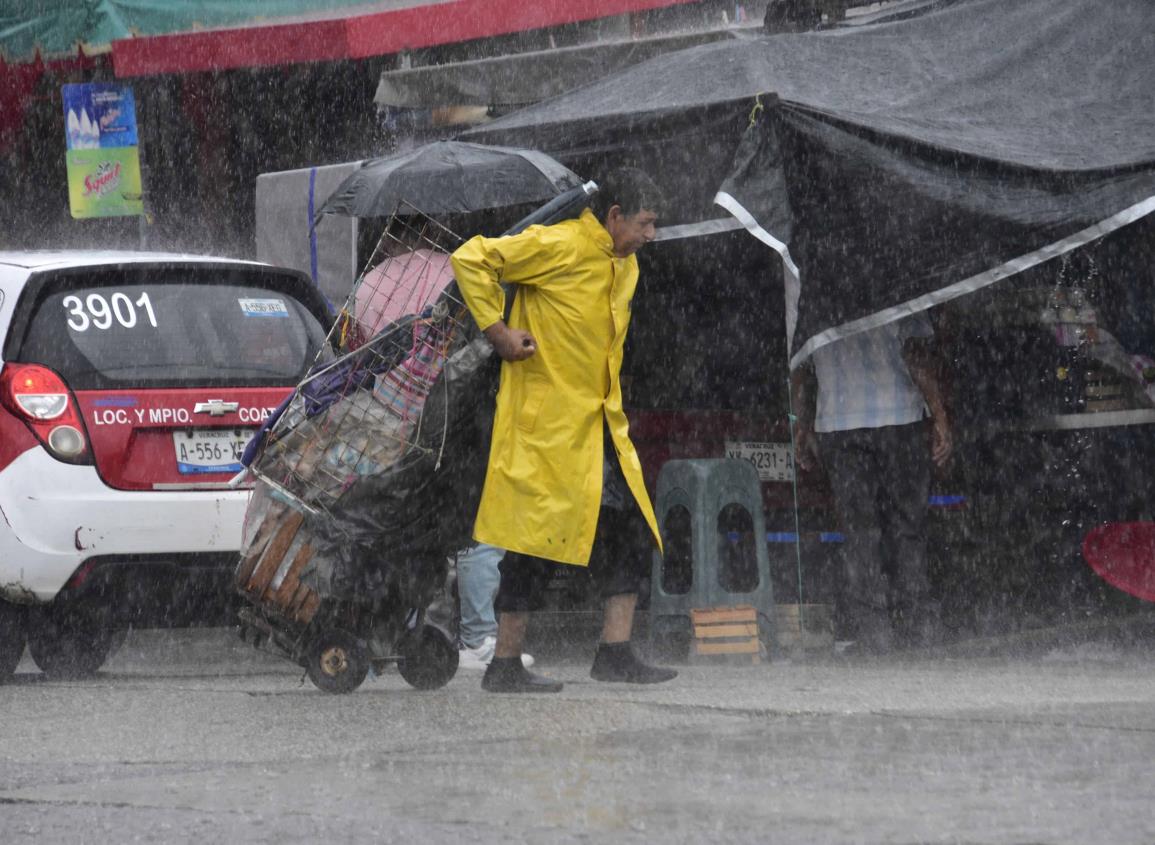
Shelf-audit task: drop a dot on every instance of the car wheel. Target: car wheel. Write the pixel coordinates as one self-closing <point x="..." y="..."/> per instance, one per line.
<point x="430" y="659"/>
<point x="336" y="662"/>
<point x="13" y="633"/>
<point x="68" y="645"/>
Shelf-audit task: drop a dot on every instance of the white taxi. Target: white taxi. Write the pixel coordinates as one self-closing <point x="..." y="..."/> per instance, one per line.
<point x="130" y="384"/>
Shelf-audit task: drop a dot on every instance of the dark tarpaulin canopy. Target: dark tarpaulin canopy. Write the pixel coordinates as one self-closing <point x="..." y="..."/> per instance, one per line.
<point x="898" y="164"/>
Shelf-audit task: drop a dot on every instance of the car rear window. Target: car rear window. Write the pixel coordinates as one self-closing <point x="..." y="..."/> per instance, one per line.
<point x="130" y="328"/>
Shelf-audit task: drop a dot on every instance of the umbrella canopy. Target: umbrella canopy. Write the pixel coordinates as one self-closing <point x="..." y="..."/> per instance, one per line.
<point x="449" y="177"/>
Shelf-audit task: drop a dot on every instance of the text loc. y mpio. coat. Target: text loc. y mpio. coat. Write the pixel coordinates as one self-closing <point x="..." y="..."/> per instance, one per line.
<point x="543" y="486"/>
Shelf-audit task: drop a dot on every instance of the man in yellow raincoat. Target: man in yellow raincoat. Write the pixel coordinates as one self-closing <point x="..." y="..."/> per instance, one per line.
<point x="561" y="465"/>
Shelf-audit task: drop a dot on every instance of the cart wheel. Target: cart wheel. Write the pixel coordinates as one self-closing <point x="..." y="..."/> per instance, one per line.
<point x="337" y="663"/>
<point x="430" y="659"/>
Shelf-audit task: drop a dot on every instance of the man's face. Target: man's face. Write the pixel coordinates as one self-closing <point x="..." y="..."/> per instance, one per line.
<point x="630" y="232"/>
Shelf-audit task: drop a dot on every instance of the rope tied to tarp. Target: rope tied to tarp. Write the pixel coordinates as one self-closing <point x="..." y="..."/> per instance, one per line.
<point x="757" y="110"/>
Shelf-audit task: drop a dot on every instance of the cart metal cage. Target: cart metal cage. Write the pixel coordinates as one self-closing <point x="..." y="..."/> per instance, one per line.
<point x="359" y="412"/>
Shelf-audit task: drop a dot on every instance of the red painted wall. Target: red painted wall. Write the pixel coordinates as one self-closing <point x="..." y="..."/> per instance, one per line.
<point x="379" y="34"/>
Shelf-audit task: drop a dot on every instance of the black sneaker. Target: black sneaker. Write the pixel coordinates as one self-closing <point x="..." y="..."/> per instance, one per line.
<point x="616" y="662"/>
<point x="507" y="674"/>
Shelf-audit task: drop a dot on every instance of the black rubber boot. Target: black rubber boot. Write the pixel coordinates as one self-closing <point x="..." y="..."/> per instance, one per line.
<point x="617" y="662"/>
<point x="507" y="674"/>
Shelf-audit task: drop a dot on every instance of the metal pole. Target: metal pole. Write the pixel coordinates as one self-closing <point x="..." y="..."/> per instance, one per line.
<point x="143" y="217"/>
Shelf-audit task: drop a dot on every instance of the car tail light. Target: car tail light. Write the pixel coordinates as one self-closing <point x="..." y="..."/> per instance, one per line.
<point x="40" y="398"/>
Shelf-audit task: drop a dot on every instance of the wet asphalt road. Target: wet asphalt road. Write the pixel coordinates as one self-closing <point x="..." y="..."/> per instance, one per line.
<point x="193" y="737"/>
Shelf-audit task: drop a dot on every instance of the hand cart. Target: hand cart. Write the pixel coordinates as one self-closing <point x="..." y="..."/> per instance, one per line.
<point x="320" y="585"/>
<point x="368" y="477"/>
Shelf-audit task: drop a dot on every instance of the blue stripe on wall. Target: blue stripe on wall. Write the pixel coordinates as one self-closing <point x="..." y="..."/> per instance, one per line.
<point x="791" y="537"/>
<point x="312" y="228"/>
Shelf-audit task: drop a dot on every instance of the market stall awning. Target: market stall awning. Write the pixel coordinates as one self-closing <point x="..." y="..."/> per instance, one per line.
<point x="59" y="28"/>
<point x="355" y="35"/>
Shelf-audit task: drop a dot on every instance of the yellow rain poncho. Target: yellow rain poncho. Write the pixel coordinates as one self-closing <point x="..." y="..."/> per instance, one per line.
<point x="543" y="487"/>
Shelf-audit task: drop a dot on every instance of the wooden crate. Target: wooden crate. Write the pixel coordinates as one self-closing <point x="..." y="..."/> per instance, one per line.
<point x="726" y="632"/>
<point x="269" y="574"/>
<point x="806" y="627"/>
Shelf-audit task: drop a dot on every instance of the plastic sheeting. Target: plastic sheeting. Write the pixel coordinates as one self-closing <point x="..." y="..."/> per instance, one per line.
<point x="286" y="205"/>
<point x="422" y="507"/>
<point x="894" y="165"/>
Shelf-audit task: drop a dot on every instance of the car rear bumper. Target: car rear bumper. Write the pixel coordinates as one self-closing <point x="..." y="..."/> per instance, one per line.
<point x="57" y="516"/>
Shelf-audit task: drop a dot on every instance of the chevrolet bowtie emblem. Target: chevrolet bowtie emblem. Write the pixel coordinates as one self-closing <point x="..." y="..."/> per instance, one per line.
<point x="215" y="407"/>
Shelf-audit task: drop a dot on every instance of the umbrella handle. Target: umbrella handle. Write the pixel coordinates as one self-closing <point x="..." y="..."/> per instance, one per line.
<point x="557" y="208"/>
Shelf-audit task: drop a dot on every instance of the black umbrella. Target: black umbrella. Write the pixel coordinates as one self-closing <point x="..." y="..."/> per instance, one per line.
<point x="450" y="177"/>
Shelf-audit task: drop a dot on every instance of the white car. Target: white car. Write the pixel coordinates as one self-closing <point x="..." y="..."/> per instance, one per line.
<point x="131" y="382"/>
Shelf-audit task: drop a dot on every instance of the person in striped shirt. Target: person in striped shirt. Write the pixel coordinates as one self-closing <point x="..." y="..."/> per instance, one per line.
<point x="871" y="406"/>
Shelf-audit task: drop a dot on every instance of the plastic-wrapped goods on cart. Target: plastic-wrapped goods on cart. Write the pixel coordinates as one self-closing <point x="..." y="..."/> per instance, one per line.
<point x="381" y="449"/>
<point x="356" y="415"/>
<point x="355" y="421"/>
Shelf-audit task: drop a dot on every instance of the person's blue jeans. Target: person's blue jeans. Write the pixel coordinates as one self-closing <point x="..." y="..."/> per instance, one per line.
<point x="477" y="581"/>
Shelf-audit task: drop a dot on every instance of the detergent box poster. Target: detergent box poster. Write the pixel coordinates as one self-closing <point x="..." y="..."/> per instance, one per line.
<point x="102" y="150"/>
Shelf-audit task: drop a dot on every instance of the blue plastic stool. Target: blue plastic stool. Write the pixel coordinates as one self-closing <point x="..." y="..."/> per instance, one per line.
<point x="714" y="533"/>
